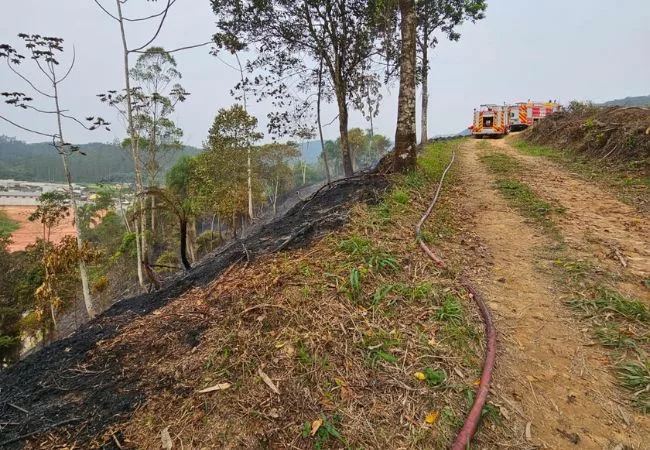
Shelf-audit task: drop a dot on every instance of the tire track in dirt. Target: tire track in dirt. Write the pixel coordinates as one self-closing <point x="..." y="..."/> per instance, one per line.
<point x="595" y="224"/>
<point x="546" y="372"/>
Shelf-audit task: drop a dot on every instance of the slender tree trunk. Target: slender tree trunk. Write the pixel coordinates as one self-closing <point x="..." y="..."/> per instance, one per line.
<point x="425" y="88"/>
<point x="251" y="215"/>
<point x="183" y="236"/>
<point x="83" y="272"/>
<point x="214" y="216"/>
<point x="134" y="143"/>
<point x="219" y="227"/>
<point x="191" y="239"/>
<point x="343" y="130"/>
<point x="119" y="199"/>
<point x="275" y="196"/>
<point x="318" y="119"/>
<point x="153" y="216"/>
<point x="304" y="172"/>
<point x="405" y="134"/>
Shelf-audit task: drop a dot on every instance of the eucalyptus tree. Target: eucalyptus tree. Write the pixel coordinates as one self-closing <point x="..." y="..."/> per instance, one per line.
<point x="45" y="53"/>
<point x="289" y="38"/>
<point x="129" y="102"/>
<point x="218" y="180"/>
<point x="439" y="16"/>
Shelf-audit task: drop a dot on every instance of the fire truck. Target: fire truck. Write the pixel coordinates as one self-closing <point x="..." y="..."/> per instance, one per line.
<point x="491" y="120"/>
<point x="525" y="114"/>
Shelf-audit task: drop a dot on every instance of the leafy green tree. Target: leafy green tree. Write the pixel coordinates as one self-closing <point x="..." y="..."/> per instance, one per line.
<point x="275" y="169"/>
<point x="52" y="208"/>
<point x="218" y="178"/>
<point x="286" y="33"/>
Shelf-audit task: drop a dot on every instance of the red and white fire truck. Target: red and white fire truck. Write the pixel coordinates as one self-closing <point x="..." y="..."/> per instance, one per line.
<point x="491" y="120"/>
<point x="525" y="114"/>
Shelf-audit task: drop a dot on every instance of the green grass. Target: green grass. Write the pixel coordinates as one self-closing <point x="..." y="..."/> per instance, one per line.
<point x="536" y="150"/>
<point x="524" y="199"/>
<point x="635" y="377"/>
<point x="612" y="305"/>
<point x="451" y="310"/>
<point x="7" y="225"/>
<point x="501" y="164"/>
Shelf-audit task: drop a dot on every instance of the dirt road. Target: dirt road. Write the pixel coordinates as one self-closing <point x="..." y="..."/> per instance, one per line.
<point x="551" y="382"/>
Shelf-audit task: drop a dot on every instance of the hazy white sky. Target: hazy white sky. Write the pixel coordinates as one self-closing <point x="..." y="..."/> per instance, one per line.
<point x="551" y="49"/>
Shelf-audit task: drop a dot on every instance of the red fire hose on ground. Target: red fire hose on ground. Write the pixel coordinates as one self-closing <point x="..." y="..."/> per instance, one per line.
<point x="470" y="425"/>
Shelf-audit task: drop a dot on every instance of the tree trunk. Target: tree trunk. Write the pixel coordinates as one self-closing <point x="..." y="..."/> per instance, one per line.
<point x="250" y="186"/>
<point x="183" y="236"/>
<point x="214" y="216"/>
<point x="343" y="130"/>
<point x="405" y="134"/>
<point x="134" y="140"/>
<point x="320" y="125"/>
<point x="425" y="88"/>
<point x="304" y="172"/>
<point x="153" y="216"/>
<point x="275" y="196"/>
<point x="191" y="239"/>
<point x="83" y="272"/>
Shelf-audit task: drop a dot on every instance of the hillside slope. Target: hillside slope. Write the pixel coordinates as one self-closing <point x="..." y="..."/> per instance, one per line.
<point x="310" y="347"/>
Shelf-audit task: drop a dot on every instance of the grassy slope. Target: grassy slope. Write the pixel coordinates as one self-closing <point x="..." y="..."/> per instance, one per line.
<point x="367" y="342"/>
<point x="7" y="226"/>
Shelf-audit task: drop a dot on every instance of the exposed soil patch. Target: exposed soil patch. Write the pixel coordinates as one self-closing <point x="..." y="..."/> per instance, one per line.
<point x="74" y="381"/>
<point x="30" y="231"/>
<point x="550" y="380"/>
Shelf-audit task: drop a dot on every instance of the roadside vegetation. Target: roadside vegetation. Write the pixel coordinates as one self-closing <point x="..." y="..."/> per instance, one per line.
<point x="609" y="146"/>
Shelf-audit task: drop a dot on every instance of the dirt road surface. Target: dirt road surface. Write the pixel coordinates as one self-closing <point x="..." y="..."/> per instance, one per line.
<point x="550" y="380"/>
<point x="30" y="231"/>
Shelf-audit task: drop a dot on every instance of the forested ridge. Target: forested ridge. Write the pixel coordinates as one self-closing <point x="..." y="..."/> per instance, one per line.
<point x="102" y="162"/>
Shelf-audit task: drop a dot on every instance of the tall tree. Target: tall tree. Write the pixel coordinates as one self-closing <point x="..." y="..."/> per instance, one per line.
<point x="439" y="16"/>
<point x="405" y="138"/>
<point x="220" y="173"/>
<point x="286" y="33"/>
<point x="130" y="101"/>
<point x="45" y="53"/>
<point x="276" y="172"/>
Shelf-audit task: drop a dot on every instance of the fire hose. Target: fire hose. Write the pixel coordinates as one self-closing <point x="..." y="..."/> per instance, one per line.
<point x="470" y="425"/>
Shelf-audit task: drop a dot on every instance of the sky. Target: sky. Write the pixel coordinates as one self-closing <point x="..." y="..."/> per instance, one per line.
<point x="551" y="49"/>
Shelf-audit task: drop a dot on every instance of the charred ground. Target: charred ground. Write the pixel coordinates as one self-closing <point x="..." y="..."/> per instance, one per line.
<point x="71" y="382"/>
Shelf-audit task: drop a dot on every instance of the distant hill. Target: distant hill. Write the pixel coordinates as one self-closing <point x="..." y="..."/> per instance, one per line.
<point x="629" y="101"/>
<point x="40" y="162"/>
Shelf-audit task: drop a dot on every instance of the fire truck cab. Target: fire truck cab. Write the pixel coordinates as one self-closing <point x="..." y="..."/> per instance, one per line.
<point x="491" y="120"/>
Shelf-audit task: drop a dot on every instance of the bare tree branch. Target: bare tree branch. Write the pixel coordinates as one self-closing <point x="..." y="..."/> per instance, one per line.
<point x="187" y="47"/>
<point x="106" y="11"/>
<point x="153" y="16"/>
<point x="74" y="57"/>
<point x="162" y="21"/>
<point x="26" y="129"/>
<point x="27" y="81"/>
